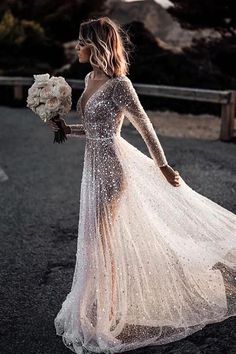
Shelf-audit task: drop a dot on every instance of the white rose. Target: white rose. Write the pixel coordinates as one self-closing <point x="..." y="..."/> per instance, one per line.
<point x="53" y="104"/>
<point x="61" y="91"/>
<point x="62" y="80"/>
<point x="34" y="90"/>
<point x="55" y="91"/>
<point x="65" y="91"/>
<point x="43" y="100"/>
<point x="54" y="80"/>
<point x="58" y="80"/>
<point x="33" y="101"/>
<point x="40" y="110"/>
<point x="67" y="101"/>
<point x="41" y="79"/>
<point x="47" y="91"/>
<point x="64" y="110"/>
<point x="66" y="105"/>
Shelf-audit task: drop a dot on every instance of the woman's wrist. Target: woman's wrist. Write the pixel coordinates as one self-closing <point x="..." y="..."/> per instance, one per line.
<point x="164" y="166"/>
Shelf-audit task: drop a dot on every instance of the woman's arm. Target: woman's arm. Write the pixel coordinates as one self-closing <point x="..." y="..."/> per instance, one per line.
<point x="74" y="130"/>
<point x="70" y="130"/>
<point x="126" y="98"/>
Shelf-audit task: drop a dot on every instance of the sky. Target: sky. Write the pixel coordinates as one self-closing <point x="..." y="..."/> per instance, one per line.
<point x="164" y="3"/>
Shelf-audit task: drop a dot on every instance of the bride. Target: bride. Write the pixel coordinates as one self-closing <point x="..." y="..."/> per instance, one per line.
<point x="155" y="260"/>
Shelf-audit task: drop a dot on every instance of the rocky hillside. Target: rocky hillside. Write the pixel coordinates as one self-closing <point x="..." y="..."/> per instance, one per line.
<point x="157" y="20"/>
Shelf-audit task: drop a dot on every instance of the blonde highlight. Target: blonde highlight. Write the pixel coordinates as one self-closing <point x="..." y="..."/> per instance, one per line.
<point x="109" y="45"/>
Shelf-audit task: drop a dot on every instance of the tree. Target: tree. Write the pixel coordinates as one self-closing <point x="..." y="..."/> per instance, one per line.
<point x="216" y="14"/>
<point x="59" y="18"/>
<point x="14" y="32"/>
<point x="32" y="32"/>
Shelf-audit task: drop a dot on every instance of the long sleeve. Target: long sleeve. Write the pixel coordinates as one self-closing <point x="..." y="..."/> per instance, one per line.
<point x="126" y="98"/>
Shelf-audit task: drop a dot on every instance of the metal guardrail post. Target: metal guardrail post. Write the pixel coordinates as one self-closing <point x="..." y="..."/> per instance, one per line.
<point x="227" y="118"/>
<point x="18" y="92"/>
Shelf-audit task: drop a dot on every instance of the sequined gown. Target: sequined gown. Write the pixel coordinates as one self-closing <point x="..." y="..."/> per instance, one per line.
<point x="154" y="263"/>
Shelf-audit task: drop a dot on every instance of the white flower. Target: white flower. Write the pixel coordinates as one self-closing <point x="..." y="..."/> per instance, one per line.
<point x="55" y="80"/>
<point x="33" y="102"/>
<point x="48" y="97"/>
<point x="65" y="90"/>
<point x="46" y="91"/>
<point x="40" y="110"/>
<point x="41" y="79"/>
<point x="52" y="104"/>
<point x="61" y="91"/>
<point x="55" y="91"/>
<point x="64" y="109"/>
<point x="43" y="99"/>
<point x="34" y="90"/>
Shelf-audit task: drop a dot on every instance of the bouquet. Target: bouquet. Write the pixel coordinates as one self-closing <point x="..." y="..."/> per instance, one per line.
<point x="50" y="98"/>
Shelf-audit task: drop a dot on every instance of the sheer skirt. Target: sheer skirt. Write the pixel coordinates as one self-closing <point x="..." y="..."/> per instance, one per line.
<point x="154" y="262"/>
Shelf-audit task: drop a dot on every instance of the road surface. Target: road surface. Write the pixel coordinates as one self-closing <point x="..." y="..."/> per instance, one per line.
<point x="39" y="213"/>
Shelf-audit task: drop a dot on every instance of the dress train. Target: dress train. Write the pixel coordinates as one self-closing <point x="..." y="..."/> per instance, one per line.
<point x="174" y="252"/>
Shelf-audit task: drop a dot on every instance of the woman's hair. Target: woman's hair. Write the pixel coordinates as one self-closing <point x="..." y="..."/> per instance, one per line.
<point x="107" y="42"/>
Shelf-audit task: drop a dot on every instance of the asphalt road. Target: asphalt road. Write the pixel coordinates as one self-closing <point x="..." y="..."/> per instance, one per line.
<point x="39" y="212"/>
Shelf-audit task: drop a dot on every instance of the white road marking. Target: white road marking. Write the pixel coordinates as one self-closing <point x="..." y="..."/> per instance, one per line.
<point x="3" y="175"/>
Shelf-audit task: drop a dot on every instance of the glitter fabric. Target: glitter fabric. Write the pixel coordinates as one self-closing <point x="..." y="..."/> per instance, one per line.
<point x="154" y="263"/>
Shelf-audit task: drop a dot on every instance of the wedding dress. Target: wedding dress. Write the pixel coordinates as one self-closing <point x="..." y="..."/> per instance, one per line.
<point x="154" y="263"/>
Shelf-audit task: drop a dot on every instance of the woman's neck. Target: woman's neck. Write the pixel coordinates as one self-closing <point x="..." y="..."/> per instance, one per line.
<point x="98" y="74"/>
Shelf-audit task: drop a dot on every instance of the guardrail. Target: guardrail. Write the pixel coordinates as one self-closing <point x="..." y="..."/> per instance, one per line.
<point x="227" y="98"/>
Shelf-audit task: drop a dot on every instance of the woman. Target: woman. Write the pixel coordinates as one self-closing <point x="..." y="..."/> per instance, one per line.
<point x="154" y="263"/>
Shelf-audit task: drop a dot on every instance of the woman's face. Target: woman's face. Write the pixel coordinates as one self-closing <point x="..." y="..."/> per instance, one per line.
<point x="83" y="51"/>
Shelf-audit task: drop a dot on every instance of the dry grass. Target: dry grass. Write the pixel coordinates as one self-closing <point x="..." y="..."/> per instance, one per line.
<point x="204" y="126"/>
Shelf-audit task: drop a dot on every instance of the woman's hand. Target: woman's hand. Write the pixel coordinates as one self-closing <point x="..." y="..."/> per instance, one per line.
<point x="55" y="127"/>
<point x="171" y="175"/>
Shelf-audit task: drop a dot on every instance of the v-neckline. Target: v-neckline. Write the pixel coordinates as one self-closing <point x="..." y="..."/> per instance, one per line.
<point x="93" y="94"/>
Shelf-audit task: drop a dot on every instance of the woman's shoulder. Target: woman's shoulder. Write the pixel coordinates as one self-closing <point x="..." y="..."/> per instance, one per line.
<point x="122" y="77"/>
<point x="121" y="81"/>
<point x="119" y="77"/>
<point x="122" y="86"/>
